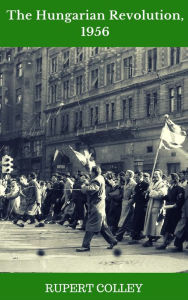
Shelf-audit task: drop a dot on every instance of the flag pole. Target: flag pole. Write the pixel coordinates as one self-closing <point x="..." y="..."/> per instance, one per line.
<point x="157" y="152"/>
<point x="156" y="157"/>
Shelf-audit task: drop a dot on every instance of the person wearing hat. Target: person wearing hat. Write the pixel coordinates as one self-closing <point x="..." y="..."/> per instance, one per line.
<point x="174" y="201"/>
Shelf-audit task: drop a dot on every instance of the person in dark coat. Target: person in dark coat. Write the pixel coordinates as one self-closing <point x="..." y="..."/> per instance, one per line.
<point x="181" y="231"/>
<point x="116" y="203"/>
<point x="33" y="198"/>
<point x="110" y="184"/>
<point x="96" y="221"/>
<point x="79" y="200"/>
<point x="140" y="200"/>
<point x="174" y="201"/>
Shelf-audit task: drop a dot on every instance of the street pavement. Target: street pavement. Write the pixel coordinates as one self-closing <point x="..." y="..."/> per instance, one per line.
<point x="20" y="252"/>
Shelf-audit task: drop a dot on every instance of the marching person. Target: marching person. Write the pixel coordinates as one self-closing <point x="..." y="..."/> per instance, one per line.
<point x="157" y="191"/>
<point x="14" y="199"/>
<point x="116" y="203"/>
<point x="174" y="202"/>
<point x="125" y="222"/>
<point x="33" y="198"/>
<point x="140" y="200"/>
<point x="181" y="231"/>
<point x="96" y="221"/>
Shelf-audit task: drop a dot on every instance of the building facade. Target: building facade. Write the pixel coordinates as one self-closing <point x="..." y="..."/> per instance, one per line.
<point x="111" y="101"/>
<point x="22" y="97"/>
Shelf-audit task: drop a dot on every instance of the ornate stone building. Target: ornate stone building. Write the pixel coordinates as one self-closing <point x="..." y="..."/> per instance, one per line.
<point x="113" y="101"/>
<point x="109" y="100"/>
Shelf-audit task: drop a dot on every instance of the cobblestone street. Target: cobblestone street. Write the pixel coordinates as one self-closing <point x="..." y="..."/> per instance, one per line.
<point x="19" y="253"/>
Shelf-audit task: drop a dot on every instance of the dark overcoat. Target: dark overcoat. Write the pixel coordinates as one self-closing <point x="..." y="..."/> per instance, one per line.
<point x="175" y="195"/>
<point x="140" y="201"/>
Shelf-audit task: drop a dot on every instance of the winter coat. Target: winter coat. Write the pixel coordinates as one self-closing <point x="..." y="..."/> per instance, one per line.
<point x="96" y="204"/>
<point x="127" y="195"/>
<point x="157" y="192"/>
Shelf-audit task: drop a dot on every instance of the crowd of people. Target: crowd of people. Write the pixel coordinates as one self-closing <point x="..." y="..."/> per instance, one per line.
<point x="126" y="205"/>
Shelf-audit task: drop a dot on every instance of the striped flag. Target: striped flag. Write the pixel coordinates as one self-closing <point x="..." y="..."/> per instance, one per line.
<point x="172" y="136"/>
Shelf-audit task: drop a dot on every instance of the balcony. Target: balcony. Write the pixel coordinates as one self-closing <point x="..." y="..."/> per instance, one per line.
<point x="103" y="127"/>
<point x="116" y="130"/>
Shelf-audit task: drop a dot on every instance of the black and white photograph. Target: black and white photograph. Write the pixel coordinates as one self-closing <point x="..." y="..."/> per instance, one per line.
<point x="94" y="159"/>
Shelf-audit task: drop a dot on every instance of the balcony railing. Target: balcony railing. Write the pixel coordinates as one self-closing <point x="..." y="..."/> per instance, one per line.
<point x="118" y="124"/>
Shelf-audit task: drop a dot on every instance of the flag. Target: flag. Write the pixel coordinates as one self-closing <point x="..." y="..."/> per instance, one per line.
<point x="172" y="135"/>
<point x="79" y="156"/>
<point x="85" y="158"/>
<point x="56" y="154"/>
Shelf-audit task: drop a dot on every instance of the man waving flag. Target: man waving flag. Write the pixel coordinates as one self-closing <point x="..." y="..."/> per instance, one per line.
<point x="172" y="135"/>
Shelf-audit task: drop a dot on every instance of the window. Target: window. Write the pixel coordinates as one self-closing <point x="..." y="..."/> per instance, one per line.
<point x="38" y="119"/>
<point x="110" y="73"/>
<point x="19" y="70"/>
<point x="62" y="124"/>
<point x="18" y="121"/>
<point x="151" y="104"/>
<point x="18" y="96"/>
<point x="155" y="103"/>
<point x="179" y="99"/>
<point x="148" y="105"/>
<point x="8" y="55"/>
<point x="80" y="120"/>
<point x="76" y="121"/>
<point x="53" y="93"/>
<point x="1" y="79"/>
<point x="79" y="54"/>
<point x="175" y="97"/>
<point x="54" y="65"/>
<point x="94" y="51"/>
<point x="152" y="60"/>
<point x="79" y="85"/>
<point x="19" y="49"/>
<point x="149" y="149"/>
<point x="128" y="67"/>
<point x="130" y="108"/>
<point x="37" y="147"/>
<point x="124" y="109"/>
<point x="94" y="78"/>
<point x="91" y="116"/>
<point x="37" y="106"/>
<point x="113" y="111"/>
<point x="66" y="59"/>
<point x="38" y="92"/>
<point x="174" y="55"/>
<point x="172" y="100"/>
<point x="65" y="123"/>
<point x="66" y="89"/>
<point x="107" y="112"/>
<point x="53" y="126"/>
<point x="96" y="115"/>
<point x="39" y="65"/>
